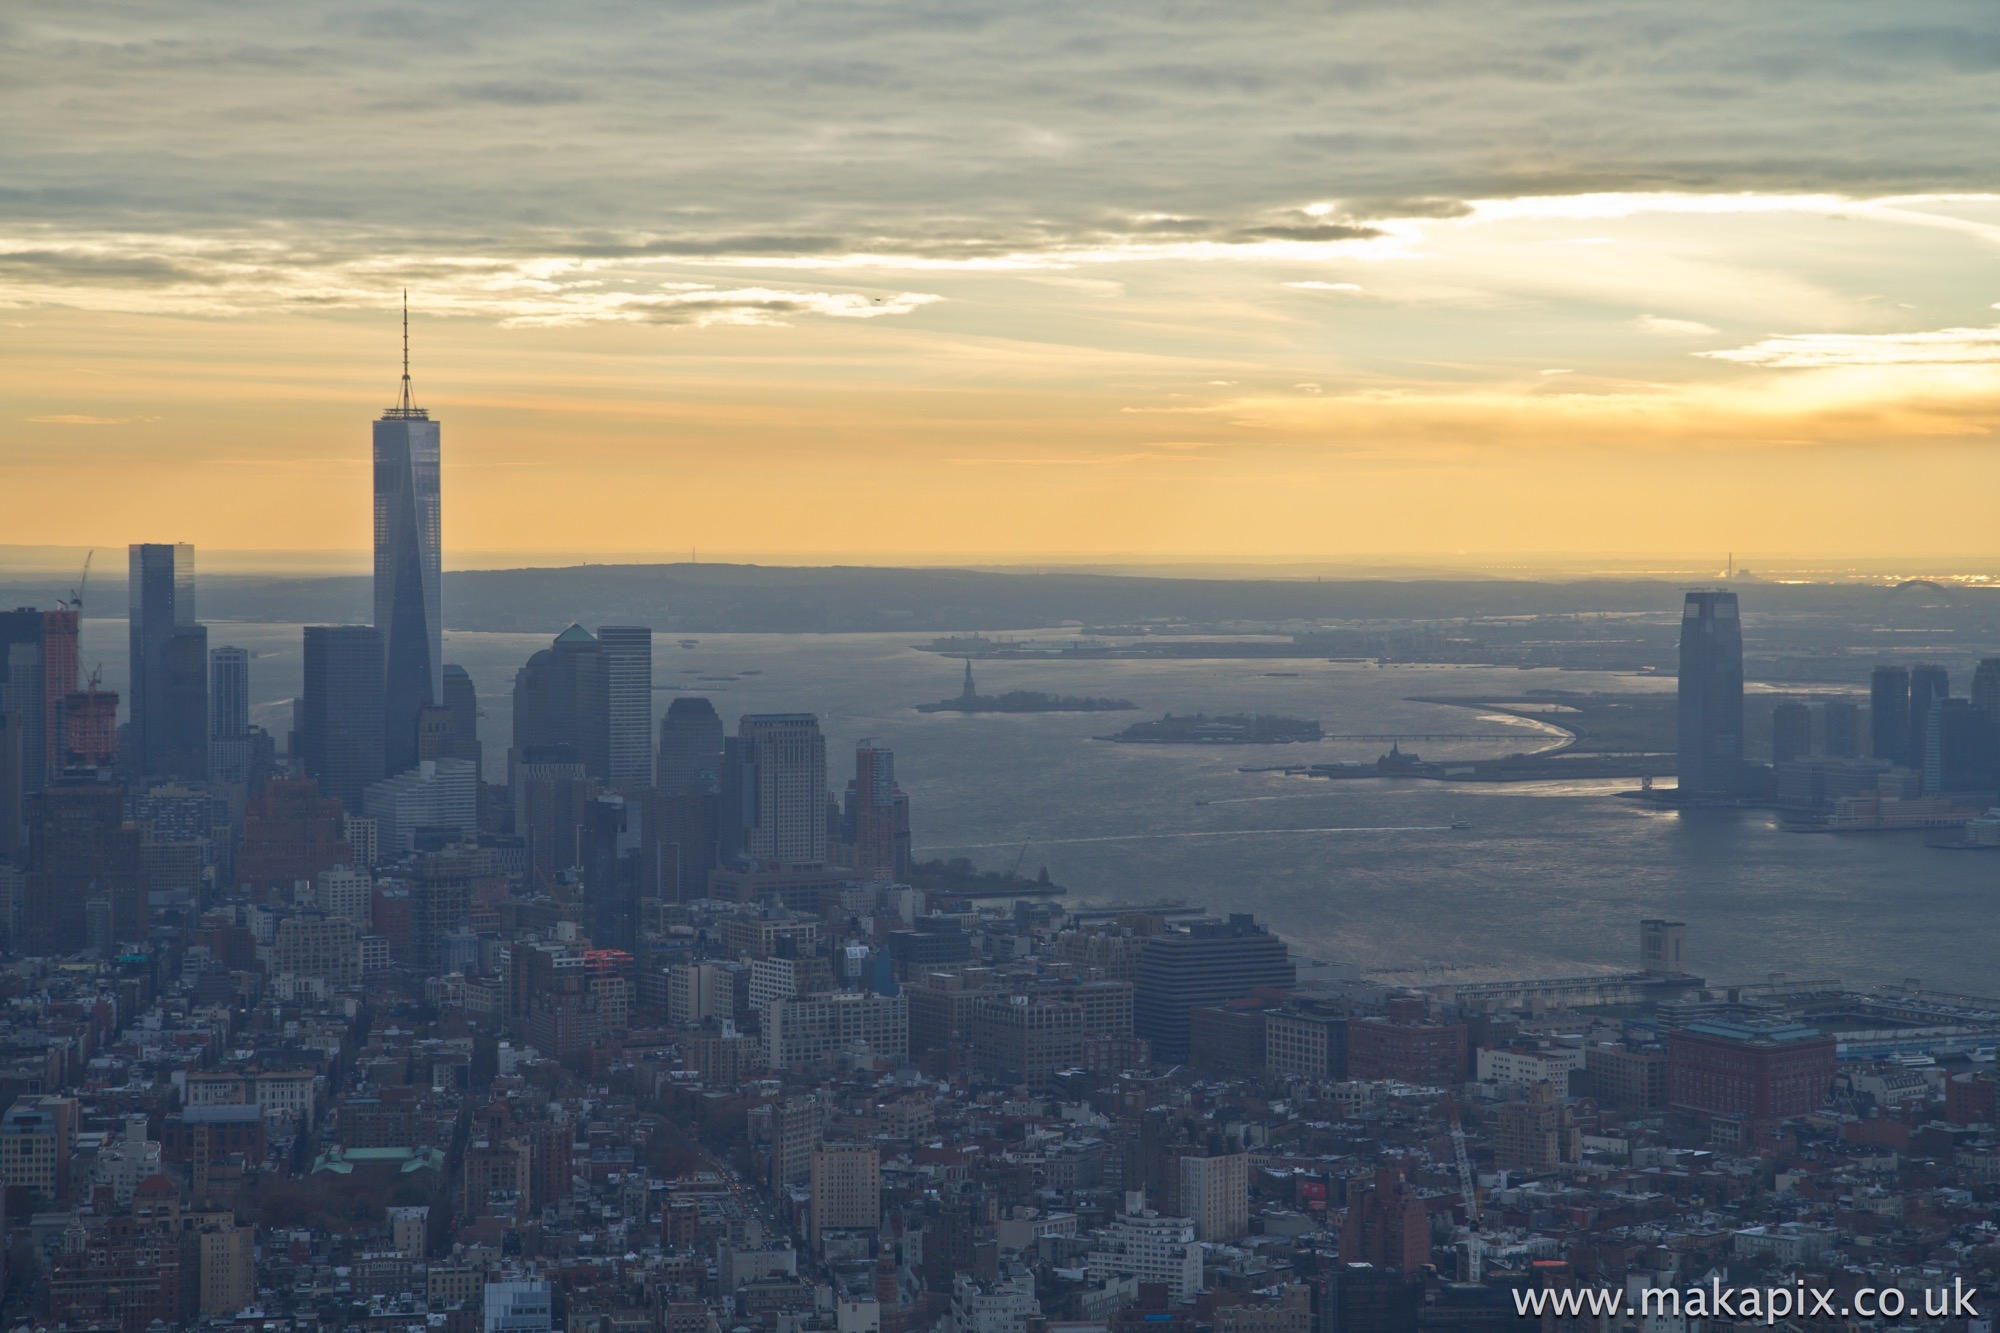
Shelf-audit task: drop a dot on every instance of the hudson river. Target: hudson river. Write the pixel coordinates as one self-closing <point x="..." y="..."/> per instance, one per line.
<point x="1550" y="879"/>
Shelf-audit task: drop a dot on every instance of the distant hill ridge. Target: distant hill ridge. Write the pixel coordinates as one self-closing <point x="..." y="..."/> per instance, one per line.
<point x="722" y="598"/>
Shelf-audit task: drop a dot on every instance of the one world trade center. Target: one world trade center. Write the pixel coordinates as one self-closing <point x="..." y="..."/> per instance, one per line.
<point x="407" y="567"/>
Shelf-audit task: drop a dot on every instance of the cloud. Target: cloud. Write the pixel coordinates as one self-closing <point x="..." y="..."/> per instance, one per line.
<point x="993" y="127"/>
<point x="1673" y="328"/>
<point x="1815" y="351"/>
<point x="78" y="419"/>
<point x="1326" y="286"/>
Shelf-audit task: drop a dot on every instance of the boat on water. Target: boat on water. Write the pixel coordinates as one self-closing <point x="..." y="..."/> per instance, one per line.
<point x="690" y="643"/>
<point x="1458" y="823"/>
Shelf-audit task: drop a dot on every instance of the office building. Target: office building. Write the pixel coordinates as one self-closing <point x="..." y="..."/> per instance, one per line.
<point x="1961" y="749"/>
<point x="550" y="791"/>
<point x="519" y="1307"/>
<point x="1408" y="1049"/>
<point x="774" y="790"/>
<point x="1151" y="1248"/>
<point x="38" y="670"/>
<point x="1215" y="1196"/>
<point x="1889" y="714"/>
<point x="168" y="682"/>
<point x="462" y="702"/>
<point x="1025" y="1039"/>
<point x="877" y="815"/>
<point x="37" y="1134"/>
<point x="628" y="659"/>
<point x="323" y="947"/>
<point x="13" y="793"/>
<point x="1200" y="964"/>
<point x="1929" y="685"/>
<point x="340" y="735"/>
<point x="1791" y="732"/>
<point x="1302" y="1045"/>
<point x="408" y="536"/>
<point x="1663" y="948"/>
<point x="85" y="862"/>
<point x="1986" y="687"/>
<point x="698" y="993"/>
<point x="291" y="832"/>
<point x="1711" y="695"/>
<point x="1840" y="729"/>
<point x="425" y="807"/>
<point x="613" y="840"/>
<point x="846" y="1189"/>
<point x="347" y="893"/>
<point x="690" y="746"/>
<point x="228" y="693"/>
<point x="341" y="711"/>
<point x="562" y="699"/>
<point x="1754" y="1071"/>
<point x="811" y="1030"/>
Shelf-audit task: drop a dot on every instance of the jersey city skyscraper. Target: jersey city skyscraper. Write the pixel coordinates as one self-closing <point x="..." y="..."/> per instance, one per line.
<point x="1711" y="696"/>
<point x="407" y="537"/>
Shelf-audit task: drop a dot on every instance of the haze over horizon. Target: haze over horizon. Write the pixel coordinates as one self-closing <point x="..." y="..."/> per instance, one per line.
<point x="1014" y="284"/>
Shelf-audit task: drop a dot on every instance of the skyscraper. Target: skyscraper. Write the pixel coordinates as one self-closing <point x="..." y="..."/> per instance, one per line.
<point x="1986" y="687"/>
<point x="628" y="660"/>
<point x="407" y="570"/>
<point x="1840" y="730"/>
<point x="878" y="814"/>
<point x="38" y="654"/>
<point x="1929" y="684"/>
<point x="169" y="664"/>
<point x="228" y="693"/>
<point x="1203" y="963"/>
<point x="613" y="838"/>
<point x="1889" y="714"/>
<point x="340" y="735"/>
<point x="1791" y="731"/>
<point x="690" y="746"/>
<point x="562" y="698"/>
<point x="463" y="700"/>
<point x="1711" y="695"/>
<point x="774" y="790"/>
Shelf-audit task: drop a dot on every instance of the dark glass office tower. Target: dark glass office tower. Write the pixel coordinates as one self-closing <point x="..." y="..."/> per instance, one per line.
<point x="340" y="713"/>
<point x="1889" y="713"/>
<point x="229" y="693"/>
<point x="169" y="664"/>
<point x="407" y="577"/>
<point x="1711" y="695"/>
<point x="1929" y="685"/>
<point x="613" y="842"/>
<point x="690" y="746"/>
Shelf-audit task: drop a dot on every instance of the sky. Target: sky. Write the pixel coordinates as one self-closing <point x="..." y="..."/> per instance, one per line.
<point x="1009" y="282"/>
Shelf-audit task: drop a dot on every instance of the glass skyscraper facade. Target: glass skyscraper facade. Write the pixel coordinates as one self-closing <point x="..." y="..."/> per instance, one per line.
<point x="407" y="574"/>
<point x="169" y="663"/>
<point x="1711" y="695"/>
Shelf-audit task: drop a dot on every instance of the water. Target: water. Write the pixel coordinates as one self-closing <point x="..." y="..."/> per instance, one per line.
<point x="1551" y="879"/>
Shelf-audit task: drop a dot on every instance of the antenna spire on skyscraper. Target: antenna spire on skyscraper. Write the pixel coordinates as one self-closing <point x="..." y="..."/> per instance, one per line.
<point x="405" y="408"/>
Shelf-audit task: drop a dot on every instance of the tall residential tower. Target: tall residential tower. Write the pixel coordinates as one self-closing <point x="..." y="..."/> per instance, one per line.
<point x="407" y="569"/>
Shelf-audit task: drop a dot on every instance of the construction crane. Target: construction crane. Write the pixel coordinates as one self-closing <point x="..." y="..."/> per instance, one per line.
<point x="1014" y="871"/>
<point x="1468" y="1187"/>
<point x="75" y="602"/>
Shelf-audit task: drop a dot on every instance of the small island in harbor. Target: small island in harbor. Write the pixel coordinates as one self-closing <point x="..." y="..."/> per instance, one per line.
<point x="1228" y="729"/>
<point x="970" y="700"/>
